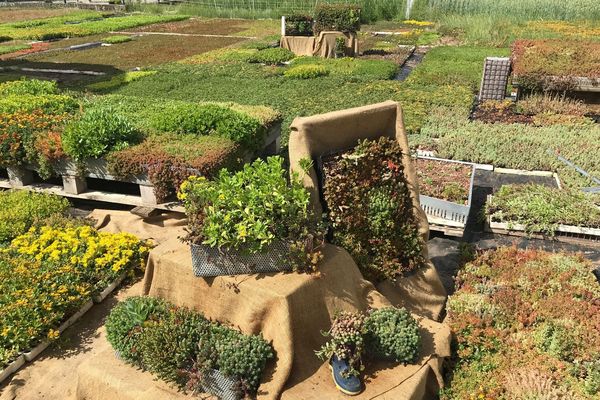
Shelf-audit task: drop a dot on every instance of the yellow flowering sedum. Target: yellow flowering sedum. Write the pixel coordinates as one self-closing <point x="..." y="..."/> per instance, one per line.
<point x="48" y="273"/>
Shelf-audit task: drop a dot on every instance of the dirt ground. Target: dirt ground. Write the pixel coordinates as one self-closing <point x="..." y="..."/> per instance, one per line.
<point x="142" y="51"/>
<point x="21" y="14"/>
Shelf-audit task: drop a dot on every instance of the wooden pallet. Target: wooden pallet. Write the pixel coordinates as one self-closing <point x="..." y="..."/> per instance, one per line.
<point x="446" y="226"/>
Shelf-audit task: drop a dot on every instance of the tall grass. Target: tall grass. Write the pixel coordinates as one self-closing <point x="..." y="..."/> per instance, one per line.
<point x="519" y="9"/>
<point x="372" y="10"/>
<point x="512" y="10"/>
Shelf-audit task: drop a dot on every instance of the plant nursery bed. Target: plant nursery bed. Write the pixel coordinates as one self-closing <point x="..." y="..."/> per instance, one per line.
<point x="141" y="51"/>
<point x="562" y="232"/>
<point x="446" y="190"/>
<point x="196" y="26"/>
<point x="96" y="183"/>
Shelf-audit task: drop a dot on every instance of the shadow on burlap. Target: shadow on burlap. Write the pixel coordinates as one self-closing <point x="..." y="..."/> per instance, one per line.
<point x="290" y="310"/>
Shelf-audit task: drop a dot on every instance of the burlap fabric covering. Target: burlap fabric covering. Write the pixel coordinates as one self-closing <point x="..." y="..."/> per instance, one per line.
<point x="421" y="292"/>
<point x="321" y="46"/>
<point x="290" y="310"/>
<point x="299" y="45"/>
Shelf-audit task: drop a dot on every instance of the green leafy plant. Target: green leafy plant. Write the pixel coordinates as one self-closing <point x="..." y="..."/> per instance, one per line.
<point x="305" y="72"/>
<point x="542" y="209"/>
<point x="47" y="103"/>
<point x="211" y="119"/>
<point x="392" y="334"/>
<point x="381" y="235"/>
<point x="340" y="47"/>
<point x="298" y="25"/>
<point x="34" y="87"/>
<point x="337" y="17"/>
<point x="123" y="320"/>
<point x="251" y="209"/>
<point x="271" y="56"/>
<point x="346" y="341"/>
<point x="98" y="131"/>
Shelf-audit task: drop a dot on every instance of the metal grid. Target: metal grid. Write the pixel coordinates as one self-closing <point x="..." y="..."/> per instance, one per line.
<point x="495" y="78"/>
<point x="210" y="261"/>
<point x="219" y="385"/>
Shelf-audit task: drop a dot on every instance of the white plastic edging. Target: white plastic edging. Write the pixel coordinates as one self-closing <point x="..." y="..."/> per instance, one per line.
<point x="98" y="298"/>
<point x="12" y="367"/>
<point x="76" y="316"/>
<point x="33" y="353"/>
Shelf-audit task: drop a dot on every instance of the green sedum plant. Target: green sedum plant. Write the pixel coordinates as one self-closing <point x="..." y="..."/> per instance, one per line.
<point x="181" y="347"/>
<point x="392" y="334"/>
<point x="125" y="321"/>
<point x="252" y="208"/>
<point x="306" y="72"/>
<point x="272" y="56"/>
<point x="346" y="341"/>
<point x="20" y="210"/>
<point x="98" y="131"/>
<point x="210" y="119"/>
<point x="337" y="17"/>
<point x="24" y="86"/>
<point x="116" y="39"/>
<point x="542" y="209"/>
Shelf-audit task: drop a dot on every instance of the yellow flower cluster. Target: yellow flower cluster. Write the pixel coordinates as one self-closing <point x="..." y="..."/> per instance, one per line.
<point x="566" y="29"/>
<point x="418" y="23"/>
<point x="48" y="273"/>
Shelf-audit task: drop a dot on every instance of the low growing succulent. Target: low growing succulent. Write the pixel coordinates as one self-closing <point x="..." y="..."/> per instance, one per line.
<point x="346" y="341"/>
<point x="392" y="334"/>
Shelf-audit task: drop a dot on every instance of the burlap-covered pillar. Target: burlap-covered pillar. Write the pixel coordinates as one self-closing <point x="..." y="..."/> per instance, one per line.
<point x="325" y="44"/>
<point x="422" y="291"/>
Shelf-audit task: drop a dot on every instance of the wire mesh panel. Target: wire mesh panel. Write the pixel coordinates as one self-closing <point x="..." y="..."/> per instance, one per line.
<point x="495" y="78"/>
<point x="211" y="261"/>
<point x="217" y="384"/>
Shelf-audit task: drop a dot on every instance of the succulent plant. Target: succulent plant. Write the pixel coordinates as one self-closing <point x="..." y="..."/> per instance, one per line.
<point x="392" y="333"/>
<point x="346" y="333"/>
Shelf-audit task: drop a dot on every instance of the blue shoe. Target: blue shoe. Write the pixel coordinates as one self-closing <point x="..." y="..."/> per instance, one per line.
<point x="350" y="385"/>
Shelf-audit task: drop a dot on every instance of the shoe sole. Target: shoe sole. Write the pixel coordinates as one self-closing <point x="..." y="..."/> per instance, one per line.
<point x="339" y="388"/>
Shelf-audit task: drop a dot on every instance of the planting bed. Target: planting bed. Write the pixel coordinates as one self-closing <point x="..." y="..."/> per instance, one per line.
<point x="540" y="211"/>
<point x="25" y="14"/>
<point x="556" y="65"/>
<point x="445" y="188"/>
<point x="142" y="51"/>
<point x="49" y="274"/>
<point x="526" y="326"/>
<point x="200" y="27"/>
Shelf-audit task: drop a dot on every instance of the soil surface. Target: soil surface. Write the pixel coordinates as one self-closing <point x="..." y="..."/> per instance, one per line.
<point x="142" y="51"/>
<point x="198" y="26"/>
<point x="444" y="180"/>
<point x="19" y="14"/>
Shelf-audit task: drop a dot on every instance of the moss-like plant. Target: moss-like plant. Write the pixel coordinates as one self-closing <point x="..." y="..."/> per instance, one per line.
<point x="124" y="323"/>
<point x="393" y="334"/>
<point x="272" y="56"/>
<point x="370" y="209"/>
<point x="307" y="71"/>
<point x="180" y="346"/>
